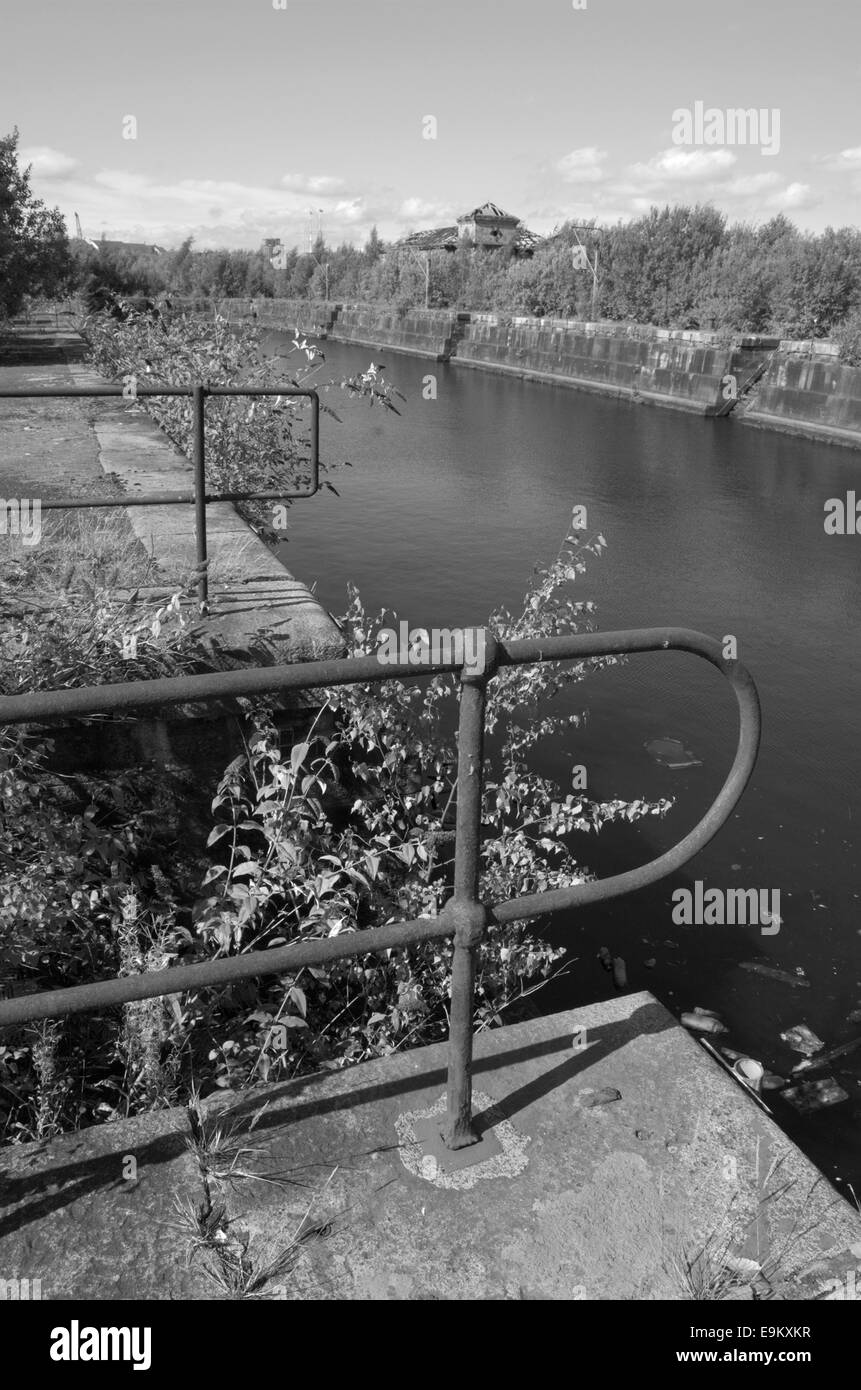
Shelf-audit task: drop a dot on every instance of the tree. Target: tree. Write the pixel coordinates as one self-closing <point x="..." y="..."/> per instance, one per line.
<point x="373" y="246"/>
<point x="34" y="247"/>
<point x="180" y="267"/>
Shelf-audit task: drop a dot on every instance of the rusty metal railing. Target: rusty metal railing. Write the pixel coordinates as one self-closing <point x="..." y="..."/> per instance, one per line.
<point x="464" y="917"/>
<point x="200" y="497"/>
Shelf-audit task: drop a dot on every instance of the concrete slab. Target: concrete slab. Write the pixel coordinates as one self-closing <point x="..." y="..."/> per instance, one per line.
<point x="328" y="1185"/>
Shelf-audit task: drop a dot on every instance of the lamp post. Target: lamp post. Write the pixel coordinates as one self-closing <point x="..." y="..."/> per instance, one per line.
<point x="315" y="259"/>
<point x="424" y="266"/>
<point x="580" y="261"/>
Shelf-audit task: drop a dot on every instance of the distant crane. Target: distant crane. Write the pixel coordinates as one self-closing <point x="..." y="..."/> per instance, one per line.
<point x="81" y="237"/>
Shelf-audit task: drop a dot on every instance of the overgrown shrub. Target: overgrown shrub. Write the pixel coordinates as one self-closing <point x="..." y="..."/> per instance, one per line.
<point x="252" y="443"/>
<point x="348" y="829"/>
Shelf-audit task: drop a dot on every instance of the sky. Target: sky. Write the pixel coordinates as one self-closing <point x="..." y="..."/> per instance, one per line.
<point x="235" y="120"/>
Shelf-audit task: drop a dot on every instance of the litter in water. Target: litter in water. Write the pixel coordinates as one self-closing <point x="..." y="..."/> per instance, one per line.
<point x="802" y="1039"/>
<point x="783" y="975"/>
<point x="824" y="1057"/>
<point x="703" y="1023"/>
<point x="671" y="753"/>
<point x="809" y="1096"/>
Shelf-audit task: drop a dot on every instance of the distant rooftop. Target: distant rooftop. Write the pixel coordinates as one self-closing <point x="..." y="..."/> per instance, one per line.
<point x="515" y="236"/>
<point x="138" y="247"/>
<point x="488" y="210"/>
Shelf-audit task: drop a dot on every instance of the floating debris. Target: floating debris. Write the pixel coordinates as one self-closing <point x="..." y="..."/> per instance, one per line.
<point x="703" y="1023"/>
<point x="809" y="1096"/>
<point x="772" y="974"/>
<point x="605" y="1096"/>
<point x="772" y="1082"/>
<point x="750" y="1072"/>
<point x="620" y="974"/>
<point x="854" y="1017"/>
<point x="802" y="1039"/>
<point x="605" y="958"/>
<point x="650" y="963"/>
<point x="731" y="1053"/>
<point x="754" y="1095"/>
<point x="671" y="753"/>
<point x="828" y="1056"/>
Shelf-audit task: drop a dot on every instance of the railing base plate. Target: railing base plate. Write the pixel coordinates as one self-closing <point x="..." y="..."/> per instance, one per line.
<point x="428" y="1134"/>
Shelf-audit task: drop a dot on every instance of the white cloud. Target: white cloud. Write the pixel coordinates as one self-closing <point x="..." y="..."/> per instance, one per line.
<point x="47" y="163"/>
<point x="847" y="161"/>
<point x="427" y="214"/>
<point x="748" y="185"/>
<point x="583" y="165"/>
<point x="795" y="195"/>
<point x="130" y="206"/>
<point x="679" y="166"/>
<point x="312" y="183"/>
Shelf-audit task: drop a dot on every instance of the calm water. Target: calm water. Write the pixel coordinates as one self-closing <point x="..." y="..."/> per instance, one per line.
<point x="710" y="525"/>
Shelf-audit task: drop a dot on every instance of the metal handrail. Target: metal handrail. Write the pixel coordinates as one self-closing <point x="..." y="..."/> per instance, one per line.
<point x="464" y="916"/>
<point x="200" y="497"/>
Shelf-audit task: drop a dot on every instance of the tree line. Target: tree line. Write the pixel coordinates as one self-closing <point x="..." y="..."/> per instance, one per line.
<point x="675" y="267"/>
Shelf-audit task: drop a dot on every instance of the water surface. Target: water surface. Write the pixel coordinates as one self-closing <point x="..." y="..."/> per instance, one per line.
<point x="710" y="525"/>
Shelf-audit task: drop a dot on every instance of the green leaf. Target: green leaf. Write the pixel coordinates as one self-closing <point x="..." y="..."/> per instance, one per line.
<point x="298" y="997"/>
<point x="298" y="754"/>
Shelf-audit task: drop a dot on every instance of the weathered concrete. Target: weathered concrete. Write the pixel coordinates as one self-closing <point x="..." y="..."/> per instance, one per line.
<point x="90" y="1224"/>
<point x="681" y="374"/>
<point x="290" y="315"/>
<point x="40" y="342"/>
<point x="679" y="369"/>
<point x="423" y="332"/>
<point x="579" y="1200"/>
<point x="812" y="396"/>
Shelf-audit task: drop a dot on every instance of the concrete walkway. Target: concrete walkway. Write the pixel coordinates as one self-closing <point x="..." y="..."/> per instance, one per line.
<point x="55" y="448"/>
<point x="605" y="1169"/>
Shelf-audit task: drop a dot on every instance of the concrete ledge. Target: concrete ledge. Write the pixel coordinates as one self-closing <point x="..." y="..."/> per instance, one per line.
<point x="582" y="1195"/>
<point x="349" y="340"/>
<point x="626" y="393"/>
<point x="823" y="434"/>
<point x="251" y="591"/>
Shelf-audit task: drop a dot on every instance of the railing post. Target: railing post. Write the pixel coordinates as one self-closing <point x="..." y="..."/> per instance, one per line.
<point x="198" y="399"/>
<point x="464" y="909"/>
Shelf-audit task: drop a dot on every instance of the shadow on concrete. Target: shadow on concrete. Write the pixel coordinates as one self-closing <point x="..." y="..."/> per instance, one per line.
<point x="77" y="1179"/>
